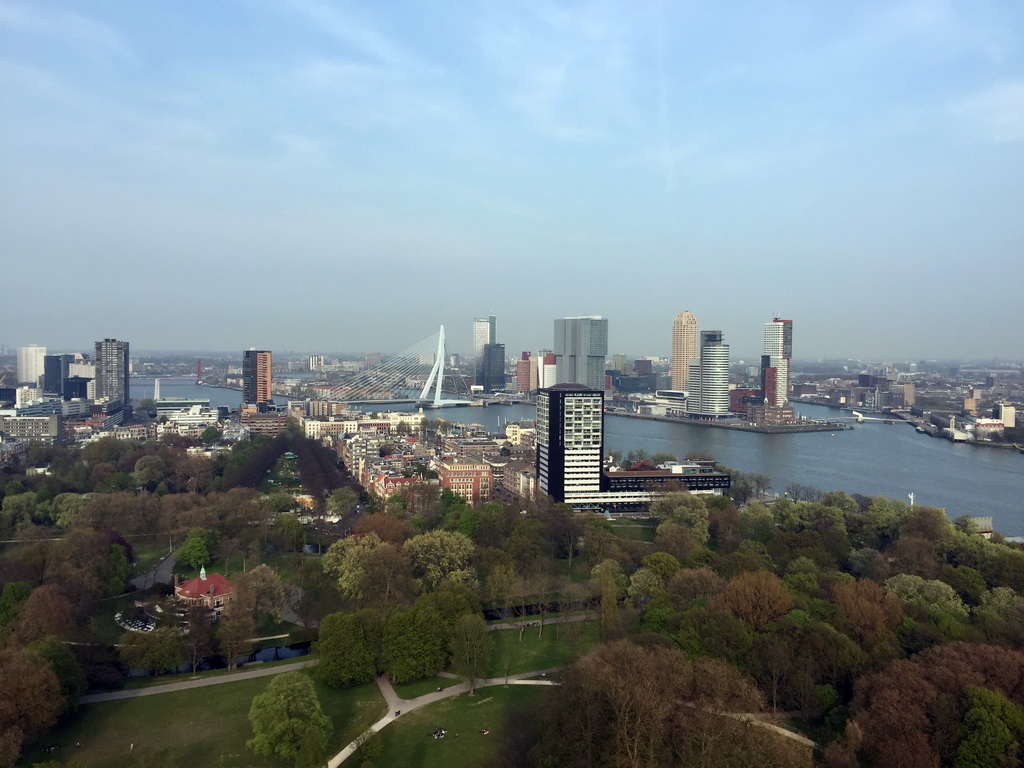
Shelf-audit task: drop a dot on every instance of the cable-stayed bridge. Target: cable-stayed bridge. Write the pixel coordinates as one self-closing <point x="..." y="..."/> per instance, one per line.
<point x="413" y="375"/>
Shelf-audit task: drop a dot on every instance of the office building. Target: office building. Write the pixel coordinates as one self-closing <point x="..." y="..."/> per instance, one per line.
<point x="709" y="378"/>
<point x="257" y="365"/>
<point x="31" y="364"/>
<point x="570" y="431"/>
<point x="684" y="349"/>
<point x="112" y="370"/>
<point x="581" y="347"/>
<point x="775" y="362"/>
<point x="483" y="334"/>
<point x="491" y="368"/>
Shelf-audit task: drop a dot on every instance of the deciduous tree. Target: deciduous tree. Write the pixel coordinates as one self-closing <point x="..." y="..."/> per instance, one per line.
<point x="287" y="721"/>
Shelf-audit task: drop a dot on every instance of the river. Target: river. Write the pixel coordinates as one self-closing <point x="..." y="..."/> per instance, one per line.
<point x="873" y="459"/>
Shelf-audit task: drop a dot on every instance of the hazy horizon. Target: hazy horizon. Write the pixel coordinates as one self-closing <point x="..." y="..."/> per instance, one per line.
<point x="318" y="175"/>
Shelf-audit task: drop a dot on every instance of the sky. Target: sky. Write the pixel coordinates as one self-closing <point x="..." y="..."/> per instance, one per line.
<point x="335" y="176"/>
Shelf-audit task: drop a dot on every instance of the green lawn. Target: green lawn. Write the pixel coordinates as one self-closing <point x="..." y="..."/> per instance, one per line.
<point x="639" y="530"/>
<point x="535" y="653"/>
<point x="205" y="727"/>
<point x="420" y="687"/>
<point x="408" y="741"/>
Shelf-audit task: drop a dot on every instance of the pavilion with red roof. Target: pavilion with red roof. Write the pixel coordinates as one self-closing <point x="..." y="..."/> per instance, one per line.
<point x="211" y="591"/>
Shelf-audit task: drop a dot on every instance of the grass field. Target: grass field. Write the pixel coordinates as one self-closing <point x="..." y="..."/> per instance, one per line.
<point x="201" y="728"/>
<point x="408" y="741"/>
<point x="540" y="653"/>
<point x="640" y="530"/>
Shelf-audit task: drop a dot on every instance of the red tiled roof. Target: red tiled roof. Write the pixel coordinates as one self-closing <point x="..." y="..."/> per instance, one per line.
<point x="198" y="587"/>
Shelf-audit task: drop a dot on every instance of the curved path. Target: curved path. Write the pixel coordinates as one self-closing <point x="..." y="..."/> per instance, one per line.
<point x="397" y="704"/>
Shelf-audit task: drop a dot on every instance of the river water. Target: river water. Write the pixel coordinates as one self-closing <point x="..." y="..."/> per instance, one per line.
<point x="873" y="459"/>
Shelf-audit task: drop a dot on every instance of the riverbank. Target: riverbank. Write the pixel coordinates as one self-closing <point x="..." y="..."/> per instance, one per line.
<point x="742" y="426"/>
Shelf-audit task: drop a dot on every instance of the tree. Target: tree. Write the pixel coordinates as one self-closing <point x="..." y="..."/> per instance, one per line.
<point x="348" y="648"/>
<point x="346" y="561"/>
<point x="234" y="630"/>
<point x="56" y="654"/>
<point x="610" y="589"/>
<point x="287" y="721"/>
<point x="199" y="635"/>
<point x="471" y="648"/>
<point x="210" y="435"/>
<point x="260" y="593"/>
<point x="160" y="650"/>
<point x="683" y="508"/>
<point x="993" y="730"/>
<point x="439" y="555"/>
<point x="413" y="644"/>
<point x="195" y="552"/>
<point x="30" y="703"/>
<point x="44" y="612"/>
<point x="757" y="597"/>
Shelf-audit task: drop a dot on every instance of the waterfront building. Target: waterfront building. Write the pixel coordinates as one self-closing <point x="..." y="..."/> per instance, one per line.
<point x="483" y="334"/>
<point x="31" y="364"/>
<point x="684" y="348"/>
<point x="257" y="376"/>
<point x="581" y="347"/>
<point x="491" y="368"/>
<point x="112" y="370"/>
<point x="570" y="434"/>
<point x="709" y="378"/>
<point x="775" y="361"/>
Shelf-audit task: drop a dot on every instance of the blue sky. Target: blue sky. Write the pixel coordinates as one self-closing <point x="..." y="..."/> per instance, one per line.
<point x="348" y="176"/>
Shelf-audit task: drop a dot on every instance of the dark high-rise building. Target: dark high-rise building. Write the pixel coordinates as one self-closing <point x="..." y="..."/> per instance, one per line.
<point x="112" y="370"/>
<point x="570" y="433"/>
<point x="491" y="368"/>
<point x="55" y="370"/>
<point x="256" y="376"/>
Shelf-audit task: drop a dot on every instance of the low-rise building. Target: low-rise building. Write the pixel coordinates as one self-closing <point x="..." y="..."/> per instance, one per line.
<point x="213" y="592"/>
<point x="472" y="480"/>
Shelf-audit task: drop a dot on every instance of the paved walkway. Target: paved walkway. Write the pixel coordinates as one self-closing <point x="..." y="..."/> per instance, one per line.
<point x="198" y="682"/>
<point x="161" y="573"/>
<point x="397" y="705"/>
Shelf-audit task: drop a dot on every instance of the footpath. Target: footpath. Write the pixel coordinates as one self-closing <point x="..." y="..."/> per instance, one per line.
<point x="398" y="706"/>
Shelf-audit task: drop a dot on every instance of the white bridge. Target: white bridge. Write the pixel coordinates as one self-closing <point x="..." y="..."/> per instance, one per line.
<point x="420" y="368"/>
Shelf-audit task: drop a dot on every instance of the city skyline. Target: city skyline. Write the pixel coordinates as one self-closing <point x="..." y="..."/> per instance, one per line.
<point x="857" y="168"/>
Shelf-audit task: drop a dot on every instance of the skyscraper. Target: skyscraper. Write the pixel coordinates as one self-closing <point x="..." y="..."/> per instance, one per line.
<point x="778" y="351"/>
<point x="709" y="378"/>
<point x="581" y="347"/>
<point x="684" y="348"/>
<point x="31" y="364"/>
<point x="570" y="432"/>
<point x="483" y="333"/>
<point x="491" y="368"/>
<point x="257" y="365"/>
<point x="112" y="370"/>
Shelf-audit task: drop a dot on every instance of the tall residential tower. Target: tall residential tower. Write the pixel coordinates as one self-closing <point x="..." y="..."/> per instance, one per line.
<point x="112" y="370"/>
<point x="778" y="351"/>
<point x="709" y="378"/>
<point x="257" y="365"/>
<point x="684" y="348"/>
